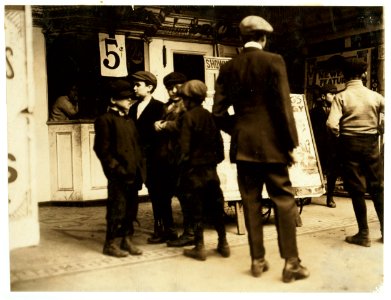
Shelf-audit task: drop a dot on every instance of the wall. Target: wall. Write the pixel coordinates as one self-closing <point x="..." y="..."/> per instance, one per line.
<point x="40" y="117"/>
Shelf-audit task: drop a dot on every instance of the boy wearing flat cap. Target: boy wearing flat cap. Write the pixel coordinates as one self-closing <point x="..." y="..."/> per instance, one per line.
<point x="325" y="142"/>
<point x="355" y="118"/>
<point x="145" y="112"/>
<point x="263" y="136"/>
<point x="201" y="150"/>
<point x="168" y="133"/>
<point x="117" y="147"/>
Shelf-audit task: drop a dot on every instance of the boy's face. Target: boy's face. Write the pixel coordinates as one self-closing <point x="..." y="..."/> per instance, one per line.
<point x="123" y="104"/>
<point x="142" y="89"/>
<point x="329" y="97"/>
<point x="173" y="90"/>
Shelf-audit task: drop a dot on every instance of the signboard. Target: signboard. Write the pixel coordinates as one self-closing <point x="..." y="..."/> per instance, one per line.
<point x="306" y="174"/>
<point x="112" y="55"/>
<point x="320" y="70"/>
<point x="22" y="209"/>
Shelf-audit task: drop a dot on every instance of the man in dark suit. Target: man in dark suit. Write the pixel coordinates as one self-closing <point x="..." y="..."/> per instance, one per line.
<point x="145" y="112"/>
<point x="263" y="136"/>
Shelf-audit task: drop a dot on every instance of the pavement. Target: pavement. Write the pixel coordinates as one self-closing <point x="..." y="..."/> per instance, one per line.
<point x="69" y="257"/>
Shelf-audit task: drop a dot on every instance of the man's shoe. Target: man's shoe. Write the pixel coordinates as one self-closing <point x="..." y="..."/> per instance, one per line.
<point x="359" y="239"/>
<point x="223" y="248"/>
<point x="113" y="250"/>
<point x="258" y="266"/>
<point x="293" y="270"/>
<point x="183" y="240"/>
<point x="198" y="252"/>
<point x="331" y="203"/>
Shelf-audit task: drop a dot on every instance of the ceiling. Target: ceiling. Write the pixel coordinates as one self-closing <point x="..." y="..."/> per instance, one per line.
<point x="302" y="25"/>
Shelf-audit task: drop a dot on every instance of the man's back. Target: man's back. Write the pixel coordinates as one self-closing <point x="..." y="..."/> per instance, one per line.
<point x="256" y="84"/>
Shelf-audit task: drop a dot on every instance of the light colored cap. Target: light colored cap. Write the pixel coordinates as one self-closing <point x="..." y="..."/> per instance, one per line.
<point x="254" y="23"/>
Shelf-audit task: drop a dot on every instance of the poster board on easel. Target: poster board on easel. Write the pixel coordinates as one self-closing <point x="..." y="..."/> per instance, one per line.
<point x="306" y="175"/>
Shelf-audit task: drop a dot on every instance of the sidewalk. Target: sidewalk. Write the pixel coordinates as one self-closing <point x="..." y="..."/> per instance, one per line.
<point x="69" y="257"/>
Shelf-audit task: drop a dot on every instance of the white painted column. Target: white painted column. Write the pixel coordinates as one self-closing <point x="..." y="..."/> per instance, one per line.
<point x="22" y="201"/>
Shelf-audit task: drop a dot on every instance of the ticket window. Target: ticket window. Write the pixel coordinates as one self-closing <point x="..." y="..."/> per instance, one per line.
<point x="77" y="59"/>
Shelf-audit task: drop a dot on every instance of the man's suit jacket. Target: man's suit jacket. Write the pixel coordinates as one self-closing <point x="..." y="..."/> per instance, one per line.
<point x="145" y="125"/>
<point x="263" y="128"/>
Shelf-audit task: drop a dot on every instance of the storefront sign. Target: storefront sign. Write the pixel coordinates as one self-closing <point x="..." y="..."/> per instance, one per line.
<point x="112" y="55"/>
<point x="213" y="64"/>
<point x="320" y="72"/>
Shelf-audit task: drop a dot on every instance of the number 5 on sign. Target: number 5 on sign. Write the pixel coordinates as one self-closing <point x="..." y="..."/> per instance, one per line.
<point x="112" y="55"/>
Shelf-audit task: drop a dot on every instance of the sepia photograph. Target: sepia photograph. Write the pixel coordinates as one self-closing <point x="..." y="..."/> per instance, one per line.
<point x="193" y="147"/>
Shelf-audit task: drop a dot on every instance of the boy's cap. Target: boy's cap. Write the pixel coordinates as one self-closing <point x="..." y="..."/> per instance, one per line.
<point x="174" y="78"/>
<point x="250" y="24"/>
<point x="120" y="89"/>
<point x="145" y="76"/>
<point x="194" y="89"/>
<point x="329" y="88"/>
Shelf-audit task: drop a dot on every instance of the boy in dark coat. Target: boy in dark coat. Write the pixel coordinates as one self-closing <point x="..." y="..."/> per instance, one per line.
<point x="201" y="150"/>
<point x="117" y="147"/>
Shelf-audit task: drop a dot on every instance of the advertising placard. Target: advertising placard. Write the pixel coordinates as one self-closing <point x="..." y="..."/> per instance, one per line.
<point x="112" y="55"/>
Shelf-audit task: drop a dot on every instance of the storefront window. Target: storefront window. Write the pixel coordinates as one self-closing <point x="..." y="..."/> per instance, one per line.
<point x="74" y="60"/>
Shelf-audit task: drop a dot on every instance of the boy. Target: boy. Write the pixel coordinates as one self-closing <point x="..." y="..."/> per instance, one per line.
<point x="117" y="147"/>
<point x="201" y="151"/>
<point x="145" y="112"/>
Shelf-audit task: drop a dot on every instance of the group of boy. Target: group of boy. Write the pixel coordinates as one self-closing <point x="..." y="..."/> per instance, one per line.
<point x="173" y="148"/>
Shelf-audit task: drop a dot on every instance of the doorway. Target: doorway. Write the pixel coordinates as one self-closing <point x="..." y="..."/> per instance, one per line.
<point x="191" y="65"/>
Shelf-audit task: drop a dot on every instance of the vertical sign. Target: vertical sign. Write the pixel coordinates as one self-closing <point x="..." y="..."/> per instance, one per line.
<point x="23" y="210"/>
<point x="112" y="55"/>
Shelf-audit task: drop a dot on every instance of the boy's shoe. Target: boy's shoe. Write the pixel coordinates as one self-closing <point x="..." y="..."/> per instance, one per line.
<point x="198" y="252"/>
<point x="359" y="239"/>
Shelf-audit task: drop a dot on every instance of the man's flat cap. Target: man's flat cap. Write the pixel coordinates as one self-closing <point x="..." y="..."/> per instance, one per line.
<point x="145" y="76"/>
<point x="250" y="24"/>
<point x="194" y="89"/>
<point x="174" y="78"/>
<point x="120" y="89"/>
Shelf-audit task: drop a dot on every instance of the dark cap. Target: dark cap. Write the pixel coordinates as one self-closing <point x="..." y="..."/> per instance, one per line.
<point x="329" y="88"/>
<point x="250" y="24"/>
<point x="174" y="78"/>
<point x="120" y="89"/>
<point x="354" y="67"/>
<point x="194" y="89"/>
<point x="145" y="76"/>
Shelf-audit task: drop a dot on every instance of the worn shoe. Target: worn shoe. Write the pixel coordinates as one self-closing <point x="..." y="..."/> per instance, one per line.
<point x="359" y="239"/>
<point x="331" y="203"/>
<point x="293" y="270"/>
<point x="113" y="250"/>
<point x="258" y="266"/>
<point x="183" y="240"/>
<point x="127" y="245"/>
<point x="197" y="252"/>
<point x="223" y="248"/>
<point x="160" y="239"/>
